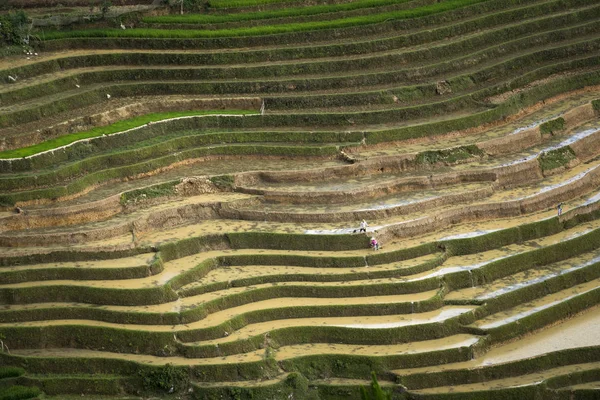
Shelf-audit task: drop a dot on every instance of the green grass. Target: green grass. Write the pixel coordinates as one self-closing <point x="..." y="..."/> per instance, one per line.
<point x="19" y="392"/>
<point x="107" y="130"/>
<point x="246" y="3"/>
<point x="556" y="158"/>
<point x="288" y="12"/>
<point x="265" y="30"/>
<point x="11" y="372"/>
<point x="553" y="126"/>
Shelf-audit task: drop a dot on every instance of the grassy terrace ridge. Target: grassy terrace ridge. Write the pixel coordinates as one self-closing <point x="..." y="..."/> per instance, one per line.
<point x="223" y="75"/>
<point x="287" y="12"/>
<point x="117" y="127"/>
<point x="381" y="44"/>
<point x="181" y="196"/>
<point x="250" y="3"/>
<point x="265" y="30"/>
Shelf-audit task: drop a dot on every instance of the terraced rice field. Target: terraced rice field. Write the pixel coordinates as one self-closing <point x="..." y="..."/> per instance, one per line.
<point x="191" y="189"/>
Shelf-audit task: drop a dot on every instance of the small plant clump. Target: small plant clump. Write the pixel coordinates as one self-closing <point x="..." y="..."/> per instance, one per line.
<point x="167" y="378"/>
<point x="449" y="156"/>
<point x="553" y="126"/>
<point x="556" y="158"/>
<point x="19" y="393"/>
<point x="11" y="372"/>
<point x="376" y="392"/>
<point x="223" y="181"/>
<point x="133" y="196"/>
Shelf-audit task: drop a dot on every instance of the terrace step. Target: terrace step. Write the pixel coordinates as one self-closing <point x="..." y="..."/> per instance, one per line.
<point x="426" y="346"/>
<point x="137" y="213"/>
<point x="488" y="388"/>
<point x="214" y="21"/>
<point x="313" y="35"/>
<point x="467" y="229"/>
<point x="243" y="275"/>
<point x="220" y="165"/>
<point x="456" y="342"/>
<point x="539" y="312"/>
<point x="425" y="323"/>
<point x="574" y="269"/>
<point x="570" y="335"/>
<point x="518" y="133"/>
<point x="502" y="203"/>
<point x="133" y="267"/>
<point x="346" y="62"/>
<point x="350" y="45"/>
<point x="359" y="311"/>
<point x="180" y="313"/>
<point x="96" y="93"/>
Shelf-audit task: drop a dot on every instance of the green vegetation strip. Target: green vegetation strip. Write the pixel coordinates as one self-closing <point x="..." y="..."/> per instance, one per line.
<point x="11" y="372"/>
<point x="556" y="158"/>
<point x="267" y="30"/>
<point x="19" y="392"/>
<point x="553" y="126"/>
<point x="114" y="128"/>
<point x="287" y="12"/>
<point x="246" y="3"/>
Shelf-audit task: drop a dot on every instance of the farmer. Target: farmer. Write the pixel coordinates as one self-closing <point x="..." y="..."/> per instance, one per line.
<point x="559" y="209"/>
<point x="374" y="243"/>
<point x="363" y="226"/>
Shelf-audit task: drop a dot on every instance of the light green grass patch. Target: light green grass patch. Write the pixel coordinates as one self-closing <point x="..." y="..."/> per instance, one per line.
<point x="247" y="3"/>
<point x="288" y="12"/>
<point x="109" y="129"/>
<point x="265" y="30"/>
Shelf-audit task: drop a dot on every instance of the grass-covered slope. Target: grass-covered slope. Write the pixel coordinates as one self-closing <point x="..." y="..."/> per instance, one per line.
<point x="182" y="199"/>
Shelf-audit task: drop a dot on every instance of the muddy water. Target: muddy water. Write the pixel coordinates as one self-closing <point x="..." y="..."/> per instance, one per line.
<point x="532" y="120"/>
<point x="525" y="278"/>
<point x="450" y="342"/>
<point x="220" y="316"/>
<point x="229" y="273"/>
<point x="140" y="358"/>
<point x="535" y="306"/>
<point x="524" y="380"/>
<point x="127" y="262"/>
<point x="570" y="334"/>
<point x="361" y="322"/>
<point x="478" y="260"/>
<point x="358" y="322"/>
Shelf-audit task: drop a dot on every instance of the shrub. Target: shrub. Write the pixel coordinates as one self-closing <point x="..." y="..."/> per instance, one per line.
<point x="11" y="372"/>
<point x="19" y="393"/>
<point x="449" y="156"/>
<point x="553" y="126"/>
<point x="13" y="28"/>
<point x="556" y="158"/>
<point x="166" y="378"/>
<point x="150" y="192"/>
<point x="223" y="181"/>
